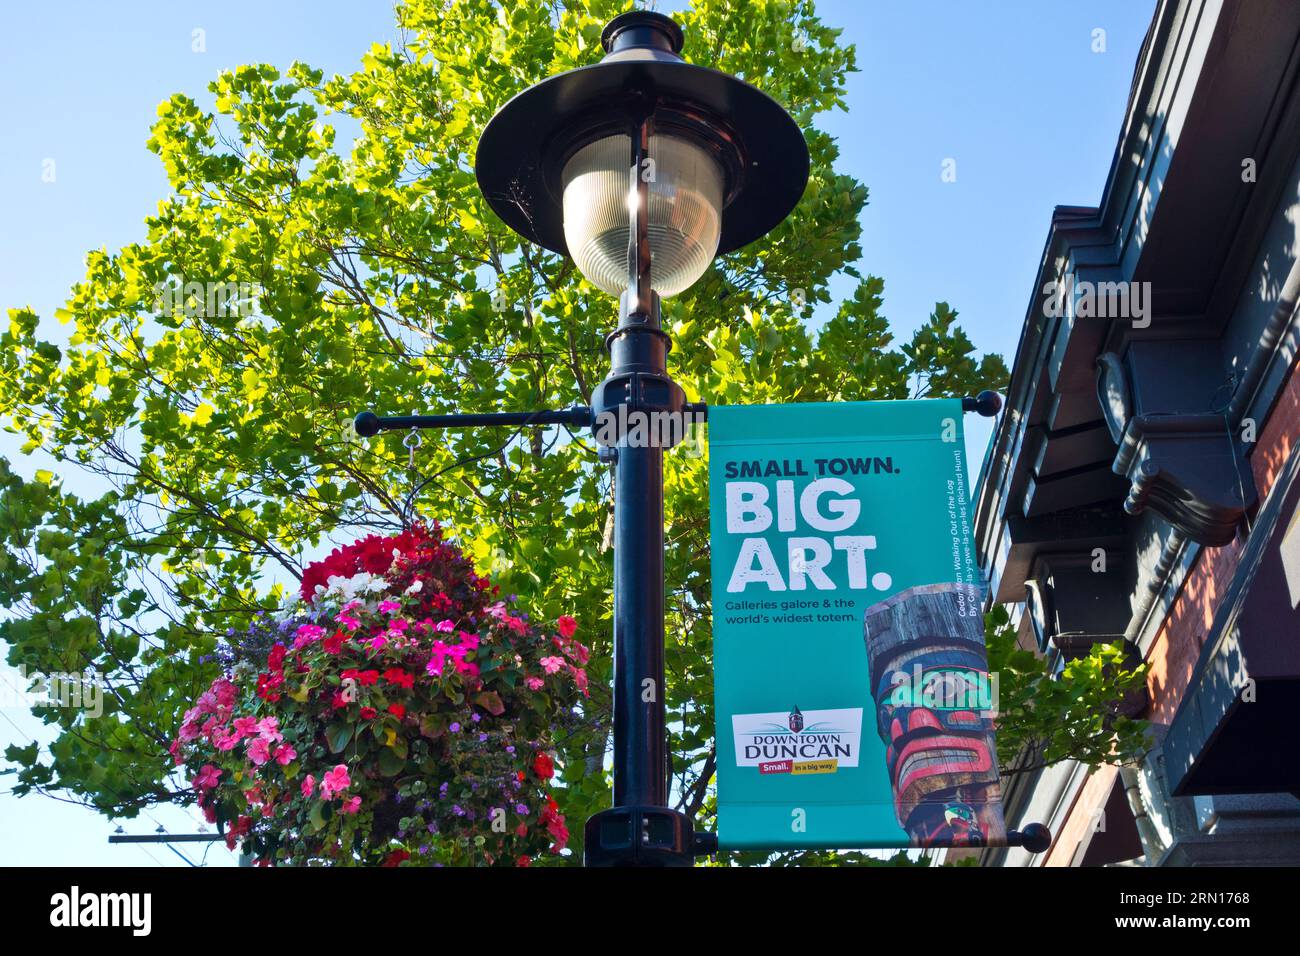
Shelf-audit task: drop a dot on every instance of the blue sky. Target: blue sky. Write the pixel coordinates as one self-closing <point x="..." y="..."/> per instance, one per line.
<point x="1011" y="91"/>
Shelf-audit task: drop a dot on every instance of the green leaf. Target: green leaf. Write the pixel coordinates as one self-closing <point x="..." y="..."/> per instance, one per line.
<point x="338" y="734"/>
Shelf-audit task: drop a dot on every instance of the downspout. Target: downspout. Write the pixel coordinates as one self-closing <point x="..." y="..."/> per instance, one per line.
<point x="1153" y="848"/>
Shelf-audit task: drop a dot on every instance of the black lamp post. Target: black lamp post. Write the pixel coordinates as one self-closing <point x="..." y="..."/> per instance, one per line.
<point x="643" y="168"/>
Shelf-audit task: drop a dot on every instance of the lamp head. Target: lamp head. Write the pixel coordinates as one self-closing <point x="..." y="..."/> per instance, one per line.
<point x="725" y="163"/>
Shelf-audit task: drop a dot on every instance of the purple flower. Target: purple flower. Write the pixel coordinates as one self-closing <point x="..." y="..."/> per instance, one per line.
<point x="482" y="737"/>
<point x="454" y="728"/>
<point x="521" y="809"/>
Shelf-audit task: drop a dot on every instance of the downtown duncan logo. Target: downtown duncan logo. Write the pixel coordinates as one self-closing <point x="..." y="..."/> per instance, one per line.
<point x="798" y="742"/>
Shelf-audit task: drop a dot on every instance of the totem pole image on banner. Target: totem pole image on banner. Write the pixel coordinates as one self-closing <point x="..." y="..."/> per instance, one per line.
<point x="942" y="763"/>
<point x="845" y="593"/>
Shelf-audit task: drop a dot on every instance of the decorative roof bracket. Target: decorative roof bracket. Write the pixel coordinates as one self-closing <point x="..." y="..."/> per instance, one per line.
<point x="1186" y="467"/>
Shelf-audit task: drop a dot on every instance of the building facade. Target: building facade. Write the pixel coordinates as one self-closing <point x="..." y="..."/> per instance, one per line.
<point x="1142" y="481"/>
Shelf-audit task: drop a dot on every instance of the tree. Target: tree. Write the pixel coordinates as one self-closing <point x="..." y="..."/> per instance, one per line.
<point x="218" y="426"/>
<point x="1044" y="718"/>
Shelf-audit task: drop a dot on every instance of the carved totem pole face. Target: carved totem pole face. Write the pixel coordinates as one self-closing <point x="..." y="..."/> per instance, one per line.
<point x="929" y="677"/>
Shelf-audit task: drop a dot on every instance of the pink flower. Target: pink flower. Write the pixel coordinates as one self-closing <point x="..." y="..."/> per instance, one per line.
<point x="224" y="740"/>
<point x="259" y="751"/>
<point x="468" y="641"/>
<point x="225" y="692"/>
<point x="285" y="754"/>
<point x="534" y="683"/>
<point x="306" y="634"/>
<point x="268" y="728"/>
<point x="580" y="679"/>
<point x="308" y="785"/>
<point x="445" y="627"/>
<point x="566" y="625"/>
<point x="351" y="806"/>
<point x="245" y="727"/>
<point x="377" y="642"/>
<point x="467" y="667"/>
<point x="398" y="624"/>
<point x="389" y="607"/>
<point x="348" y="621"/>
<point x="335" y="781"/>
<point x="552" y="664"/>
<point x="439" y="658"/>
<point x="207" y="777"/>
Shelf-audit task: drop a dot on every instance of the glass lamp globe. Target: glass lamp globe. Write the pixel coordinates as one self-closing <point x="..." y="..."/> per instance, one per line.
<point x="685" y="211"/>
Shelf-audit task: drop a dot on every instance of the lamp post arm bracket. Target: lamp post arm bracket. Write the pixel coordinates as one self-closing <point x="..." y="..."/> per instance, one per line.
<point x="368" y="423"/>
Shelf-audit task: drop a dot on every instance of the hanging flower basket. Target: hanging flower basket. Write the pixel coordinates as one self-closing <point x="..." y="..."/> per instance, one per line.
<point x="396" y="713"/>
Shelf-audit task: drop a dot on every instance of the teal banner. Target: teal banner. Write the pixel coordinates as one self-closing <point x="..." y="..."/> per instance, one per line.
<point x="854" y="705"/>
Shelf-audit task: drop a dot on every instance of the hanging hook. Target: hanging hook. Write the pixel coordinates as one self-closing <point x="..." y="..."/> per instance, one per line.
<point x="412" y="441"/>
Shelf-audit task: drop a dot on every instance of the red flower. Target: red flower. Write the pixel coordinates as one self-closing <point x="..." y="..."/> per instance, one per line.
<point x="334" y="643"/>
<point x="369" y="713"/>
<point x="364" y="678"/>
<point x="276" y="659"/>
<point x="396" y="857"/>
<point x="373" y="555"/>
<point x="566" y="626"/>
<point x="239" y="829"/>
<point x="400" y="677"/>
<point x="543" y="766"/>
<point x="267" y="682"/>
<point x="397" y="710"/>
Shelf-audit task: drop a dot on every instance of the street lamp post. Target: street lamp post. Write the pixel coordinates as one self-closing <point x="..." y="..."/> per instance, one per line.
<point x="643" y="168"/>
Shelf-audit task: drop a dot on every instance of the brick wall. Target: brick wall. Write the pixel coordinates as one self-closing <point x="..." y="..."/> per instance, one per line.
<point x="1177" y="646"/>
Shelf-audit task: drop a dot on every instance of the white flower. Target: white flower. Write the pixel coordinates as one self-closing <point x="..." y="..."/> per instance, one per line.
<point x="415" y="587"/>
